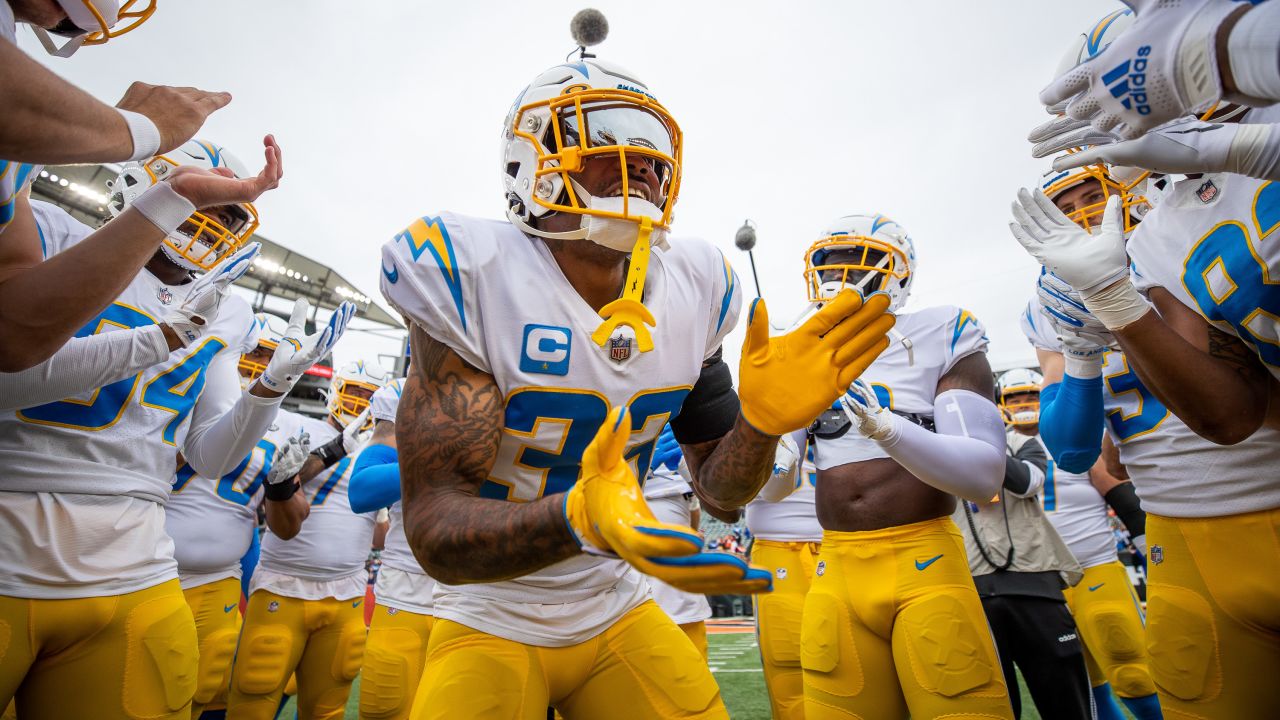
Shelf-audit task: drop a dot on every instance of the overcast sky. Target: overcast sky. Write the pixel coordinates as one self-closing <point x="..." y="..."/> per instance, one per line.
<point x="792" y="116"/>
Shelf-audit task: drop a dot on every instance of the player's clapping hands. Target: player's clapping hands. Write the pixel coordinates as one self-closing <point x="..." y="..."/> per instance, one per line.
<point x="297" y="352"/>
<point x="189" y="319"/>
<point x="607" y="513"/>
<point x="784" y="382"/>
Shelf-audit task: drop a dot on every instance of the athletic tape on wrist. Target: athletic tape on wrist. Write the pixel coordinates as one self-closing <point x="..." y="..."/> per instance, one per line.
<point x="145" y="134"/>
<point x="1118" y="306"/>
<point x="1083" y="367"/>
<point x="164" y="207"/>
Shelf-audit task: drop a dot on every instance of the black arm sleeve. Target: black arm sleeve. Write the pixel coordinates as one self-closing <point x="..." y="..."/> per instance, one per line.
<point x="711" y="408"/>
<point x="1017" y="476"/>
<point x="1124" y="500"/>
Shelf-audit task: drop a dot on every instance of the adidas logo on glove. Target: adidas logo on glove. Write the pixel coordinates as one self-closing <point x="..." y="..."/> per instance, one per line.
<point x="1128" y="82"/>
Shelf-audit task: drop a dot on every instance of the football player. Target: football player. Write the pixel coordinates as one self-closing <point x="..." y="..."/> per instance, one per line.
<point x="920" y="428"/>
<point x="1202" y="500"/>
<point x="397" y="647"/>
<point x="42" y="304"/>
<point x="788" y="537"/>
<point x="304" y="611"/>
<point x="1104" y="604"/>
<point x="509" y="502"/>
<point x="213" y="522"/>
<point x="668" y="493"/>
<point x="91" y="586"/>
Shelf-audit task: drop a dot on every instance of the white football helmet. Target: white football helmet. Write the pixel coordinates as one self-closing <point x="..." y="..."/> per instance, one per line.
<point x="884" y="259"/>
<point x="93" y="22"/>
<point x="209" y="235"/>
<point x="271" y="330"/>
<point x="575" y="112"/>
<point x="351" y="388"/>
<point x="1089" y="215"/>
<point x="1020" y="381"/>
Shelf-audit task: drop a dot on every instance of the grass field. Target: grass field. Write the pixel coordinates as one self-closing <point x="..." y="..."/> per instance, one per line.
<point x="735" y="661"/>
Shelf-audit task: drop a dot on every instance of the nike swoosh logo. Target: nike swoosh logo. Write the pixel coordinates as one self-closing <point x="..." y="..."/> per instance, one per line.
<point x="229" y="608"/>
<point x="356" y="603"/>
<point x="1095" y="587"/>
<point x="927" y="563"/>
<point x="393" y="275"/>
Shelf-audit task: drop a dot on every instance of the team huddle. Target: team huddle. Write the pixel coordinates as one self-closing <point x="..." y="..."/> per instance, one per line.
<point x="926" y="533"/>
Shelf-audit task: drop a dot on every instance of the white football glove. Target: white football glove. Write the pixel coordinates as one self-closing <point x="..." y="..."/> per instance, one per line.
<point x="190" y="318"/>
<point x="297" y="352"/>
<point x="285" y="464"/>
<point x="1067" y="312"/>
<point x="1087" y="262"/>
<point x="1163" y="67"/>
<point x="863" y="407"/>
<point x="1183" y="146"/>
<point x="353" y="434"/>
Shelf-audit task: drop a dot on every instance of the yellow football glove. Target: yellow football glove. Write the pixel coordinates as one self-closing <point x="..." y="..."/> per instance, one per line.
<point x="607" y="513"/>
<point x="785" y="382"/>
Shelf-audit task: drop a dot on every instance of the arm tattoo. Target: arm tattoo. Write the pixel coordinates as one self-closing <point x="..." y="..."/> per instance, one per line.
<point x="1225" y="346"/>
<point x="448" y="428"/>
<point x="729" y="472"/>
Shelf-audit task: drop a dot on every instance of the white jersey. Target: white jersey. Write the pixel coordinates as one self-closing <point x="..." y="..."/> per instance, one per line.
<point x="402" y="584"/>
<point x="905" y="378"/>
<point x="328" y="554"/>
<point x="794" y="518"/>
<point x="665" y="482"/>
<point x="1079" y="514"/>
<point x="86" y="478"/>
<point x="1175" y="472"/>
<point x="212" y="522"/>
<point x="498" y="299"/>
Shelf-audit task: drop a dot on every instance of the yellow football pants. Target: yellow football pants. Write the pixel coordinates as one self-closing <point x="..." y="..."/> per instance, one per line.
<point x="642" y="667"/>
<point x="393" y="662"/>
<point x="1213" y="614"/>
<point x="778" y="620"/>
<point x="321" y="640"/>
<point x="893" y="627"/>
<point x="216" y="607"/>
<point x="1110" y="620"/>
<point x="697" y="632"/>
<point x="126" y="656"/>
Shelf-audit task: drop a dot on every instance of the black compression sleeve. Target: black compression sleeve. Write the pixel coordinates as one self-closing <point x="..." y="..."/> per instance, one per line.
<point x="331" y="452"/>
<point x="711" y="408"/>
<point x="1017" y="476"/>
<point x="1124" y="500"/>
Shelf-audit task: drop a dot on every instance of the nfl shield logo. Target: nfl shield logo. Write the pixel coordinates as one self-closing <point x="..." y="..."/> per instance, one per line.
<point x="164" y="295"/>
<point x="1206" y="192"/>
<point x="822" y="567"/>
<point x="273" y="606"/>
<point x="620" y="349"/>
<point x="1157" y="554"/>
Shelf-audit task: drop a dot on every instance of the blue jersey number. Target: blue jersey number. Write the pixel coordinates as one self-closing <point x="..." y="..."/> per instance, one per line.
<point x="1150" y="413"/>
<point x="1050" y="490"/>
<point x="227" y="483"/>
<point x="331" y="482"/>
<point x="174" y="390"/>
<point x="1231" y="283"/>
<point x="562" y="424"/>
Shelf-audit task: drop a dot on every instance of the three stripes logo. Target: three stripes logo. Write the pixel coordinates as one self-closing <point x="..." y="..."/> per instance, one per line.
<point x="1128" y="82"/>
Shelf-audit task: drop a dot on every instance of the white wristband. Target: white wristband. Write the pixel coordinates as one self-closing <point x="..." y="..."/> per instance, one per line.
<point x="145" y="134"/>
<point x="1118" y="305"/>
<point x="1082" y="366"/>
<point x="164" y="207"/>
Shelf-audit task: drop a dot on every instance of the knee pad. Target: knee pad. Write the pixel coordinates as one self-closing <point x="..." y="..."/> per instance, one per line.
<point x="262" y="660"/>
<point x="389" y="677"/>
<point x="1133" y="681"/>
<point x="780" y="622"/>
<point x="1182" y="642"/>
<point x="350" y="652"/>
<point x="216" y="652"/>
<point x="827" y="652"/>
<point x="162" y="657"/>
<point x="950" y="645"/>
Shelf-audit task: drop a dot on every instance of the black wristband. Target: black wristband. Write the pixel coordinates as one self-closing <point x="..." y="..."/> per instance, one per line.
<point x="1124" y="500"/>
<point x="710" y="409"/>
<point x="330" y="452"/>
<point x="279" y="492"/>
